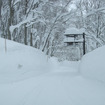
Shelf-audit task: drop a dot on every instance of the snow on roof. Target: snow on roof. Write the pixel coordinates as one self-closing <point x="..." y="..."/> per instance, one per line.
<point x="74" y="31"/>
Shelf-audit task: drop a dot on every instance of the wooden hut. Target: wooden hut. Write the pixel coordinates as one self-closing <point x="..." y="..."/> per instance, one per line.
<point x="74" y="36"/>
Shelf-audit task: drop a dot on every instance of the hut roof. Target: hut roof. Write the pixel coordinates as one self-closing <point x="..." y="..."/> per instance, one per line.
<point x="74" y="31"/>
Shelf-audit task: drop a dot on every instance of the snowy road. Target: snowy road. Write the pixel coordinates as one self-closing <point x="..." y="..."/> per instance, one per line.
<point x="40" y="81"/>
<point x="53" y="88"/>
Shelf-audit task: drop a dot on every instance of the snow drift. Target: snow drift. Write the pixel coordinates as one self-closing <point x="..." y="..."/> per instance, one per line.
<point x="21" y="60"/>
<point x="93" y="64"/>
<point x="24" y="62"/>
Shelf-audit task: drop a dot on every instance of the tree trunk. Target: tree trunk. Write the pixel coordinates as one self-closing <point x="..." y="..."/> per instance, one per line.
<point x="10" y="19"/>
<point x="25" y="28"/>
<point x="0" y="7"/>
<point x="25" y="34"/>
<point x="31" y="42"/>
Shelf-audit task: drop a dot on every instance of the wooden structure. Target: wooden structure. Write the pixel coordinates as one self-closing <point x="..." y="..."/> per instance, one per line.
<point x="75" y="36"/>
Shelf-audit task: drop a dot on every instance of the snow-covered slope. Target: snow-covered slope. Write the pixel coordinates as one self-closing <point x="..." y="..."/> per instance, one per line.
<point x="93" y="64"/>
<point x="21" y="62"/>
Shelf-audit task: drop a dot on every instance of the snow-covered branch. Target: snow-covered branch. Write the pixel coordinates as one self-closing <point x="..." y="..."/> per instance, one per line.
<point x="95" y="11"/>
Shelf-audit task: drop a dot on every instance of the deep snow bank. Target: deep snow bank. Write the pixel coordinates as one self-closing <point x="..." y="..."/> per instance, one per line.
<point x="20" y="58"/>
<point x="23" y="62"/>
<point x="93" y="64"/>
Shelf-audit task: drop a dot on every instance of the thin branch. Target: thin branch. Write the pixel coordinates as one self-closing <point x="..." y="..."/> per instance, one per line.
<point x="54" y="25"/>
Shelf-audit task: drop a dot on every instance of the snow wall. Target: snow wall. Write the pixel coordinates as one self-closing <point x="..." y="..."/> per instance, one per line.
<point x="93" y="65"/>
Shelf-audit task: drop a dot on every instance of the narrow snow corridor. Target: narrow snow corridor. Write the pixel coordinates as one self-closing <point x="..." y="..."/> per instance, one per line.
<point x="28" y="78"/>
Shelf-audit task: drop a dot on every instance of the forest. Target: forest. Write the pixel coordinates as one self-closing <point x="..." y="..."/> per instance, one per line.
<point x="52" y="52"/>
<point x="42" y="23"/>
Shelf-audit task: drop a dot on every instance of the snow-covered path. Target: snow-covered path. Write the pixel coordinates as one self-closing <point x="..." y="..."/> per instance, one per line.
<point x="54" y="88"/>
<point x="27" y="77"/>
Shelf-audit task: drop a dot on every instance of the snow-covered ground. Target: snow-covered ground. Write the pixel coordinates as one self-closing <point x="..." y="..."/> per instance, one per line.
<point x="27" y="77"/>
<point x="93" y="65"/>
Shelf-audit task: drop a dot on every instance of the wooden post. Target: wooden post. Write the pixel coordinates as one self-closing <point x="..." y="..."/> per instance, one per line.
<point x="84" y="50"/>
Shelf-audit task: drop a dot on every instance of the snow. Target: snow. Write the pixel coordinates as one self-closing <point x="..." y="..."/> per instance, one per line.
<point x="27" y="77"/>
<point x="20" y="59"/>
<point x="95" y="11"/>
<point x="28" y="20"/>
<point x="17" y="1"/>
<point x="93" y="64"/>
<point x="74" y="31"/>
